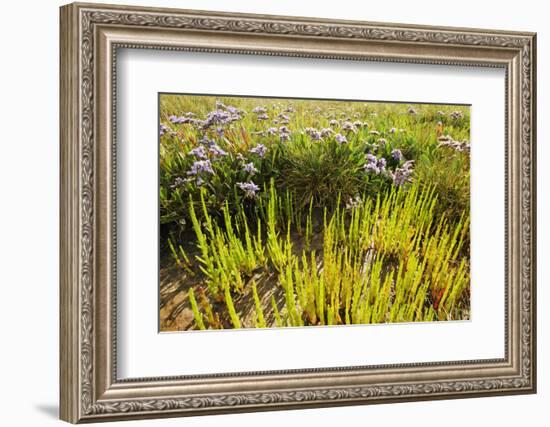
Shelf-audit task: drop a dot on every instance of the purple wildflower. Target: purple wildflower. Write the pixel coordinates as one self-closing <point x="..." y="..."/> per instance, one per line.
<point x="263" y="117"/>
<point x="216" y="150"/>
<point x="259" y="149"/>
<point x="199" y="152"/>
<point x="313" y="133"/>
<point x="397" y="155"/>
<point x="374" y="164"/>
<point x="326" y="132"/>
<point x="371" y="158"/>
<point x="259" y="110"/>
<point x="448" y="141"/>
<point x="205" y="141"/>
<point x="201" y="166"/>
<point x="340" y="138"/>
<point x="178" y="120"/>
<point x="333" y="122"/>
<point x="249" y="189"/>
<point x="233" y="110"/>
<point x="179" y="181"/>
<point x="164" y="129"/>
<point x="403" y="174"/>
<point x="284" y="133"/>
<point x="348" y="126"/>
<point x="220" y="117"/>
<point x="250" y="168"/>
<point x="372" y="167"/>
<point x="272" y="131"/>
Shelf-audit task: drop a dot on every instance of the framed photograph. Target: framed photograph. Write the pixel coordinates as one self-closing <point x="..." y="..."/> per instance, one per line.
<point x="267" y="212"/>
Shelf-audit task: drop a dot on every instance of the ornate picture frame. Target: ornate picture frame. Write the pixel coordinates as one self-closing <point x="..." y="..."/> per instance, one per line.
<point x="90" y="37"/>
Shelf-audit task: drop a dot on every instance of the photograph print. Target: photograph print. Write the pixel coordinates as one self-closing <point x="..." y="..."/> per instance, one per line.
<point x="280" y="213"/>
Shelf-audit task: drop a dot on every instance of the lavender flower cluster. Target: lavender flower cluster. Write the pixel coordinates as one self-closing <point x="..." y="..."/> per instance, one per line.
<point x="448" y="141"/>
<point x="341" y="126"/>
<point x="374" y="164"/>
<point x="250" y="189"/>
<point x="403" y="174"/>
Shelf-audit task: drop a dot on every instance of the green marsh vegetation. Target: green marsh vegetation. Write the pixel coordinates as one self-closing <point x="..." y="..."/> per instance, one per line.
<point x="279" y="212"/>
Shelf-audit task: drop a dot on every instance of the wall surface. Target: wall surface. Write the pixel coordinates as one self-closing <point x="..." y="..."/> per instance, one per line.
<point x="29" y="170"/>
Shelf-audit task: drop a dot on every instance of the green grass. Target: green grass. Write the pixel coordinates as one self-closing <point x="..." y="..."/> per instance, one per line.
<point x="322" y="239"/>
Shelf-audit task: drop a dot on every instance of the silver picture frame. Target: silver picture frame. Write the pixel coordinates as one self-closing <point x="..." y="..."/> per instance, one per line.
<point x="90" y="37"/>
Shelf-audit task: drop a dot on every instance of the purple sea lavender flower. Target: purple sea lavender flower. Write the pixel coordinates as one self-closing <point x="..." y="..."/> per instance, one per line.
<point x="201" y="166"/>
<point x="340" y="138"/>
<point x="250" y="168"/>
<point x="199" y="152"/>
<point x="348" y="126"/>
<point x="284" y="133"/>
<point x="371" y="158"/>
<point x="272" y="131"/>
<point x="397" y="155"/>
<point x="233" y="110"/>
<point x="263" y="117"/>
<point x="333" y="122"/>
<point x="372" y="167"/>
<point x="313" y="133"/>
<point x="382" y="164"/>
<point x="250" y="189"/>
<point x="179" y="181"/>
<point x="259" y="149"/>
<point x="178" y="120"/>
<point x="164" y="129"/>
<point x="326" y="132"/>
<point x="403" y="174"/>
<point x="216" y="150"/>
<point x="206" y="141"/>
<point x="259" y="110"/>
